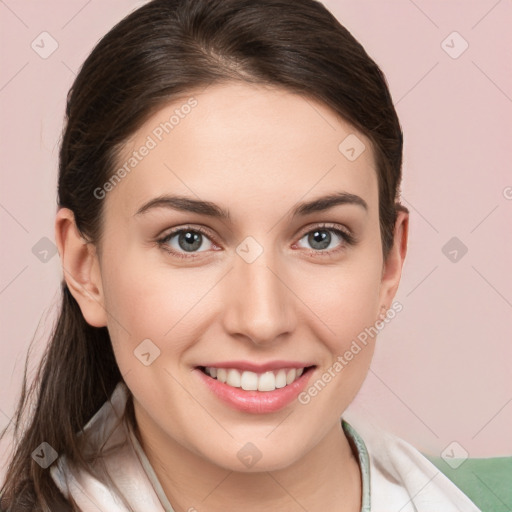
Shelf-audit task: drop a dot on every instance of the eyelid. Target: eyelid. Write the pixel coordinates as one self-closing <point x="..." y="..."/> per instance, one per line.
<point x="350" y="237"/>
<point x="186" y="227"/>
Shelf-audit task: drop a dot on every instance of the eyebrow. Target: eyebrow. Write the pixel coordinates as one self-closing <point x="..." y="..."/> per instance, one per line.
<point x="187" y="204"/>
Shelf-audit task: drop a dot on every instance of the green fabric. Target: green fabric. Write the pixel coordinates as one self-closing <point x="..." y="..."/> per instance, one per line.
<point x="361" y="452"/>
<point x="487" y="482"/>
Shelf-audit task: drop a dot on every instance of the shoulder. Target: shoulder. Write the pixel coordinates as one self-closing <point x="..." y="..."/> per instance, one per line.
<point x="115" y="480"/>
<point x="402" y="478"/>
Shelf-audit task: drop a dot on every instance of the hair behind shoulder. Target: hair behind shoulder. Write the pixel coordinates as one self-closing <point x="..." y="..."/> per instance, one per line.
<point x="76" y="373"/>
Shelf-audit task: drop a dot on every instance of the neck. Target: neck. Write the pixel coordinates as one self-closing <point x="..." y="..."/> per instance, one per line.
<point x="326" y="478"/>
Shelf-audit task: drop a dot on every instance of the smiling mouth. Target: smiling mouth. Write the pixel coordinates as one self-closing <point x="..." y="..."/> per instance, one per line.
<point x="252" y="381"/>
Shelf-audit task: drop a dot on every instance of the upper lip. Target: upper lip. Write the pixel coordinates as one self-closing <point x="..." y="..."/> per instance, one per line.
<point x="257" y="368"/>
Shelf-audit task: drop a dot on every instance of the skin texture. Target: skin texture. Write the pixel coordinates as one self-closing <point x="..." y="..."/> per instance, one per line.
<point x="255" y="151"/>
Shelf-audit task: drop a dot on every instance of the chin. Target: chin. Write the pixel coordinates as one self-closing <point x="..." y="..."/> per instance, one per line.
<point x="254" y="458"/>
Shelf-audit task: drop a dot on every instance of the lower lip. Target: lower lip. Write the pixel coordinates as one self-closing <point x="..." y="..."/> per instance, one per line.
<point x="257" y="402"/>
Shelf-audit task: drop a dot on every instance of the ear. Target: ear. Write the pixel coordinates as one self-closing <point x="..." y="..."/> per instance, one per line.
<point x="392" y="267"/>
<point x="81" y="268"/>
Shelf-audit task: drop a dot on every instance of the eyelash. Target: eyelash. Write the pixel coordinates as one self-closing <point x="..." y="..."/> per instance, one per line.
<point x="349" y="240"/>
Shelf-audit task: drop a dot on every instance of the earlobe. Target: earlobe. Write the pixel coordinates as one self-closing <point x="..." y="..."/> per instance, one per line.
<point x="81" y="269"/>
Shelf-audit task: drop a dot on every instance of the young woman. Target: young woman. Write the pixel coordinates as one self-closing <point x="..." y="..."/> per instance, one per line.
<point x="229" y="228"/>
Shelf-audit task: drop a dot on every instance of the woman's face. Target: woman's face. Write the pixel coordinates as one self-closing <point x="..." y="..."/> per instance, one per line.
<point x="269" y="287"/>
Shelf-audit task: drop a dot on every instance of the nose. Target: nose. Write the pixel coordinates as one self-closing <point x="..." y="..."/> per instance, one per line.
<point x="260" y="306"/>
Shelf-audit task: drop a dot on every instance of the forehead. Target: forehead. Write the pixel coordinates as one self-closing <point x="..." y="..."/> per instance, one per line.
<point x="244" y="144"/>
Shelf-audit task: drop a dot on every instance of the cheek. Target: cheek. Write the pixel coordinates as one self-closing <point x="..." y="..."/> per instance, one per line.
<point x="149" y="301"/>
<point x="345" y="298"/>
<point x="348" y="304"/>
<point x="348" y="309"/>
<point x="138" y="308"/>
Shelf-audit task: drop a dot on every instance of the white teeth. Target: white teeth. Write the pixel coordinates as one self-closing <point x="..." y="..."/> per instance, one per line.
<point x="267" y="382"/>
<point x="233" y="378"/>
<point x="251" y="381"/>
<point x="281" y="379"/>
<point x="290" y="376"/>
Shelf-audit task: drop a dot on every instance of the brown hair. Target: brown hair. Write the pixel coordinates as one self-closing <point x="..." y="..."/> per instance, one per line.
<point x="165" y="49"/>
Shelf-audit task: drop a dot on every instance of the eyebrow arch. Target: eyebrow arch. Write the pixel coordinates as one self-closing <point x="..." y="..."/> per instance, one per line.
<point x="210" y="209"/>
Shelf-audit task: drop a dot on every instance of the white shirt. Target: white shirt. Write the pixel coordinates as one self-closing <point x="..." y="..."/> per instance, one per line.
<point x="395" y="476"/>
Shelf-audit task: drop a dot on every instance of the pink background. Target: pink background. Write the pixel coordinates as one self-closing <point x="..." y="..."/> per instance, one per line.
<point x="442" y="370"/>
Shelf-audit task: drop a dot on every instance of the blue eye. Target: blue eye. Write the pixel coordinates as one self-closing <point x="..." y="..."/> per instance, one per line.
<point x="320" y="239"/>
<point x="188" y="240"/>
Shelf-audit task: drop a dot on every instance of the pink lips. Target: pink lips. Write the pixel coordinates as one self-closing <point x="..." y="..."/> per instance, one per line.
<point x="257" y="402"/>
